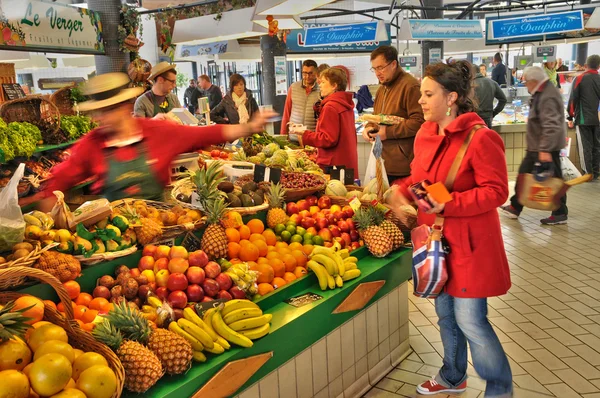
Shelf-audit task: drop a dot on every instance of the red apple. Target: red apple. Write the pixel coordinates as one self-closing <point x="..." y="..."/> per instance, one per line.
<point x="322" y="223"/>
<point x="351" y="224"/>
<point x="326" y="235"/>
<point x="295" y="218"/>
<point x="331" y="218"/>
<point x="177" y="281"/>
<point x="237" y="293"/>
<point x="101" y="291"/>
<point x="338" y="214"/>
<point x="194" y="293"/>
<point x="348" y="212"/>
<point x="149" y="250"/>
<point x="177" y="299"/>
<point x="308" y="222"/>
<point x="134" y="272"/>
<point x="143" y="291"/>
<point x="178" y="265"/>
<point x="149" y="274"/>
<point x="212" y="269"/>
<point x="198" y="259"/>
<point x="162" y="277"/>
<point x="162" y="293"/>
<point x="303" y="205"/>
<point x="206" y="299"/>
<point x="340" y="241"/>
<point x="291" y="208"/>
<point x="355" y="245"/>
<point x="224" y="281"/>
<point x="354" y="235"/>
<point x="211" y="287"/>
<point x="304" y="214"/>
<point x="347" y="239"/>
<point x="335" y="231"/>
<point x="178" y="252"/>
<point x="343" y="225"/>
<point x="152" y="285"/>
<point x="312" y="230"/>
<point x="195" y="275"/>
<point x="224" y="294"/>
<point x="324" y="202"/>
<point x="312" y="200"/>
<point x="146" y="262"/>
<point x="161" y="263"/>
<point x="162" y="252"/>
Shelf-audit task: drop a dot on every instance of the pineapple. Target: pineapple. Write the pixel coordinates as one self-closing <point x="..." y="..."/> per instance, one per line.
<point x="276" y="214"/>
<point x="142" y="367"/>
<point x="146" y="229"/>
<point x="173" y="351"/>
<point x="214" y="241"/>
<point x="389" y="227"/>
<point x="12" y="323"/>
<point x="206" y="182"/>
<point x="377" y="240"/>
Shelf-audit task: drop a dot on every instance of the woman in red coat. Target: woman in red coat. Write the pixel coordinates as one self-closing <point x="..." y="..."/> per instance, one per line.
<point x="477" y="264"/>
<point x="335" y="134"/>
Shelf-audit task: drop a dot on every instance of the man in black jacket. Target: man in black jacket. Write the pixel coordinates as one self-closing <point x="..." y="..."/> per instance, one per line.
<point x="499" y="71"/>
<point x="485" y="91"/>
<point x="207" y="89"/>
<point x="583" y="113"/>
<point x="187" y="97"/>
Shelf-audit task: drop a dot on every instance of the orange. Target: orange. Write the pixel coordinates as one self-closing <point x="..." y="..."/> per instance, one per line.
<point x="79" y="322"/>
<point x="272" y="249"/>
<point x="295" y="246"/>
<point x="255" y="237"/>
<point x="290" y="262"/>
<point x="280" y="245"/>
<point x="244" y="242"/>
<point x="289" y="277"/>
<point x="272" y="255"/>
<point x="249" y="252"/>
<point x="88" y="327"/>
<point x="300" y="272"/>
<point x="50" y="303"/>
<point x="278" y="282"/>
<point x="233" y="249"/>
<point x="265" y="288"/>
<point x="263" y="249"/>
<point x="263" y="260"/>
<point x="283" y="251"/>
<point x="36" y="312"/>
<point x="252" y="264"/>
<point x="233" y="235"/>
<point x="98" y="303"/>
<point x="301" y="258"/>
<point x="270" y="237"/>
<point x="73" y="289"/>
<point x="89" y="316"/>
<point x="79" y="310"/>
<point x="108" y="307"/>
<point x="84" y="299"/>
<point x="278" y="266"/>
<point x="265" y="273"/>
<point x="245" y="232"/>
<point x="256" y="226"/>
<point x="308" y="249"/>
<point x="235" y="261"/>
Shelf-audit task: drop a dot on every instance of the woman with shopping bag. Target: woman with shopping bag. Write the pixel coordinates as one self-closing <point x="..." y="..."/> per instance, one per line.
<point x="454" y="148"/>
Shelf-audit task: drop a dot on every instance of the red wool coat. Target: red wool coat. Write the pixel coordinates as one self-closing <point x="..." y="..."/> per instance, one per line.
<point x="335" y="135"/>
<point x="477" y="264"/>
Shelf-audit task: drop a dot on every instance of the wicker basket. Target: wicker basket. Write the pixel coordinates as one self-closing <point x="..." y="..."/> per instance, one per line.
<point x="27" y="261"/>
<point x="62" y="99"/>
<point x="77" y="337"/>
<point x="35" y="109"/>
<point x="292" y="195"/>
<point x="101" y="257"/>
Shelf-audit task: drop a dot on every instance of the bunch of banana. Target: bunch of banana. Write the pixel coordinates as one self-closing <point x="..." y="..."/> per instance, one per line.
<point x="39" y="219"/>
<point x="240" y="322"/>
<point x="242" y="276"/>
<point x="333" y="266"/>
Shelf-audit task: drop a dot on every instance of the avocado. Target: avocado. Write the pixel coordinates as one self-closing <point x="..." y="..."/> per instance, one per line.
<point x="258" y="198"/>
<point x="260" y="192"/>
<point x="238" y="193"/>
<point x="247" y="200"/>
<point x="249" y="187"/>
<point x="225" y="186"/>
<point x="234" y="201"/>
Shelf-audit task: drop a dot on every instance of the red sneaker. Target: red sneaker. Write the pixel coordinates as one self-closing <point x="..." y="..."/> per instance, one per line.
<point x="432" y="387"/>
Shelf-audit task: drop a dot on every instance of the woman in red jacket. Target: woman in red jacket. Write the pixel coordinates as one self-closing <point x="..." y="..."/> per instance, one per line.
<point x="477" y="264"/>
<point x="335" y="134"/>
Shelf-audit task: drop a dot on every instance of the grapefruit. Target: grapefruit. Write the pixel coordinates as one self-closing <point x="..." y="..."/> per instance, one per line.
<point x="50" y="374"/>
<point x="45" y="333"/>
<point x="86" y="361"/>
<point x="98" y="381"/>
<point x="14" y="354"/>
<point x="36" y="313"/>
<point x="69" y="393"/>
<point x="14" y="384"/>
<point x="55" y="346"/>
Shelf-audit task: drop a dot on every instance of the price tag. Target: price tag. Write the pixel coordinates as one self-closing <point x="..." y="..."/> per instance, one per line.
<point x="195" y="200"/>
<point x="342" y="174"/>
<point x="303" y="299"/>
<point x="166" y="242"/>
<point x="355" y="204"/>
<point x="191" y="242"/>
<point x="268" y="174"/>
<point x="201" y="308"/>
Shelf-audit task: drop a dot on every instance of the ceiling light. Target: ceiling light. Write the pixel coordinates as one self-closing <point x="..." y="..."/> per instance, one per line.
<point x="80" y="5"/>
<point x="288" y="7"/>
<point x="283" y="21"/>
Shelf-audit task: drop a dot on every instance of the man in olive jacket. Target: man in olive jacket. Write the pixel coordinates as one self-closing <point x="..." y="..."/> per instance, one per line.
<point x="398" y="95"/>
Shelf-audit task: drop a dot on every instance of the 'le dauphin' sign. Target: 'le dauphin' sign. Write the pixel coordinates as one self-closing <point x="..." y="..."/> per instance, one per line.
<point x="36" y="25"/>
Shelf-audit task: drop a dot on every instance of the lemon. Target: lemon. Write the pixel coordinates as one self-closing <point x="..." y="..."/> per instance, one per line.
<point x="46" y="333"/>
<point x="14" y="384"/>
<point x="50" y="374"/>
<point x="55" y="346"/>
<point x="86" y="361"/>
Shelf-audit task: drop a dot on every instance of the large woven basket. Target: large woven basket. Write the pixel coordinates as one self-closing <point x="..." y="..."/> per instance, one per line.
<point x="27" y="261"/>
<point x="107" y="256"/>
<point x="62" y="99"/>
<point x="35" y="109"/>
<point x="77" y="337"/>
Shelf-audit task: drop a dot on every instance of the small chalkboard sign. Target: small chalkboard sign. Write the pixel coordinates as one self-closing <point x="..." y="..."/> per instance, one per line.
<point x="268" y="174"/>
<point x="13" y="91"/>
<point x="342" y="174"/>
<point x="201" y="308"/>
<point x="191" y="242"/>
<point x="166" y="242"/>
<point x="303" y="299"/>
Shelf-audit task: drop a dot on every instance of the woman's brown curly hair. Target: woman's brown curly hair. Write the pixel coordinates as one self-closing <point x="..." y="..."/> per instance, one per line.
<point x="456" y="77"/>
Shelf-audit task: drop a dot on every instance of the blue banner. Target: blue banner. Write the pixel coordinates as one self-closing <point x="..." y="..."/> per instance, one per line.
<point x="219" y="47"/>
<point x="440" y="29"/>
<point x="341" y="34"/>
<point x="296" y="43"/>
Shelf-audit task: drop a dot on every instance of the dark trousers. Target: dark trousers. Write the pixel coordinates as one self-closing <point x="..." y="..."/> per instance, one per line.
<point x="392" y="178"/>
<point x="527" y="166"/>
<point x="589" y="149"/>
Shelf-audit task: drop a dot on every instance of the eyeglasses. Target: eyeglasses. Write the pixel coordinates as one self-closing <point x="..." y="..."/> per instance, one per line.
<point x="169" y="80"/>
<point x="308" y="73"/>
<point x="380" y="68"/>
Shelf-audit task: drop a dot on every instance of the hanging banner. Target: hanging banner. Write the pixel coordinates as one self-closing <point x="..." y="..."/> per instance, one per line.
<point x="281" y="85"/>
<point x="204" y="49"/>
<point x="345" y="34"/>
<point x="297" y="38"/>
<point x="36" y="25"/>
<point x="442" y="29"/>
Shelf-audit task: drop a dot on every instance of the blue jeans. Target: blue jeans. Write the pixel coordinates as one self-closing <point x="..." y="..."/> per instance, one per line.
<point x="462" y="320"/>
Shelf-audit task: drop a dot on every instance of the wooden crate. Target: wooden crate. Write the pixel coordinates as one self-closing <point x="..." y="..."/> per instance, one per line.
<point x="7" y="75"/>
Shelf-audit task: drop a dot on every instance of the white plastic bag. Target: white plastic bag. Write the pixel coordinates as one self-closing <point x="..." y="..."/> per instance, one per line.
<point x="569" y="171"/>
<point x="12" y="225"/>
<point x="371" y="172"/>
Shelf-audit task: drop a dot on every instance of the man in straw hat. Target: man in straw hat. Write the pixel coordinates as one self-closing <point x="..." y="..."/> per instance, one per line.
<point x="160" y="100"/>
<point x="131" y="157"/>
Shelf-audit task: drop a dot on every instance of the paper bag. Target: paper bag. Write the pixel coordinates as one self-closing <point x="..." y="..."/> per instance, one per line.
<point x="60" y="212"/>
<point x="12" y="225"/>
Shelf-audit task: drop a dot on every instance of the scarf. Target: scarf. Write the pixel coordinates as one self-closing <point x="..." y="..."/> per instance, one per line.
<point x="240" y="105"/>
<point x="551" y="75"/>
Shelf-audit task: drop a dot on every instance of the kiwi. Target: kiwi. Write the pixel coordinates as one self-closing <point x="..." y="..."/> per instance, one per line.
<point x="249" y="187"/>
<point x="247" y="200"/>
<point x="225" y="186"/>
<point x="234" y="201"/>
<point x="258" y="198"/>
<point x="260" y="192"/>
<point x="238" y="193"/>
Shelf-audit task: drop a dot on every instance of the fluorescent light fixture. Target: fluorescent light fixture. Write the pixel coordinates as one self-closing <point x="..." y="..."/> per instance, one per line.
<point x="283" y="21"/>
<point x="288" y="7"/>
<point x="79" y="5"/>
<point x="232" y="25"/>
<point x="14" y="56"/>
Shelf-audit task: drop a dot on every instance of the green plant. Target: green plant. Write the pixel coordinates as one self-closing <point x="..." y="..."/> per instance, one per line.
<point x="182" y="80"/>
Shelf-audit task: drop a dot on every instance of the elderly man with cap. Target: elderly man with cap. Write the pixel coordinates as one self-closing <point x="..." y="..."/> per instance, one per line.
<point x="129" y="157"/>
<point x="159" y="100"/>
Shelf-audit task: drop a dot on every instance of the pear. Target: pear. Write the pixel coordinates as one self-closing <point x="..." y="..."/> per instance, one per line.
<point x="101" y="247"/>
<point x="111" y="246"/>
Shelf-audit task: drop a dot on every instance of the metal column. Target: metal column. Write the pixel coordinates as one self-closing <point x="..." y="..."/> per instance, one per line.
<point x="582" y="48"/>
<point x="270" y="48"/>
<point x="427" y="45"/>
<point x="114" y="60"/>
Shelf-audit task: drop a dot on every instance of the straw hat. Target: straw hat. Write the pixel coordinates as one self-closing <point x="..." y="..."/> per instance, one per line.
<point x="106" y="90"/>
<point x="161" y="68"/>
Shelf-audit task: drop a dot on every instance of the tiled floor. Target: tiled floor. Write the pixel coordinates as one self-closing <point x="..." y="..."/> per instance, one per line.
<point x="548" y="323"/>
